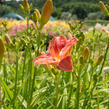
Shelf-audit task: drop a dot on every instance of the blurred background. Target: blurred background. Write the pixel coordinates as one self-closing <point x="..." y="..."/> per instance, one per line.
<point x="87" y="10"/>
<point x="63" y="9"/>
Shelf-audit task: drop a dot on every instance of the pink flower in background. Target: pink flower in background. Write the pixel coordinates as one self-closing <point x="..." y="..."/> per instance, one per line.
<point x="12" y="33"/>
<point x="32" y="24"/>
<point x="58" y="53"/>
<point x="52" y="33"/>
<point x="19" y="28"/>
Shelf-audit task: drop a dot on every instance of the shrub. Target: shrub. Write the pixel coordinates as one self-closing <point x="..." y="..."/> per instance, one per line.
<point x="5" y="9"/>
<point x="96" y="16"/>
<point x="66" y="16"/>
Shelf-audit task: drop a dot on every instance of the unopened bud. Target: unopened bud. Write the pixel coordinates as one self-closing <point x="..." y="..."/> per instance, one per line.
<point x="100" y="59"/>
<point x="46" y="12"/>
<point x="69" y="35"/>
<point x="81" y="60"/>
<point x="21" y="7"/>
<point x="36" y="16"/>
<point x="31" y="6"/>
<point x="2" y="49"/>
<point x="8" y="39"/>
<point x="104" y="8"/>
<point x="26" y="5"/>
<point x="86" y="53"/>
<point x="107" y="6"/>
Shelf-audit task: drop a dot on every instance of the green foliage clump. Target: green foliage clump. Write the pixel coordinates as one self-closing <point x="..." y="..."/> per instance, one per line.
<point x="80" y="8"/>
<point x="5" y="9"/>
<point x="96" y="16"/>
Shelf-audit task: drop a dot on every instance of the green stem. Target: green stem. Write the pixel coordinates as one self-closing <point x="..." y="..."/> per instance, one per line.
<point x="86" y="92"/>
<point x="33" y="81"/>
<point x="9" y="57"/>
<point x="0" y="64"/>
<point x="30" y="80"/>
<point x="104" y="58"/>
<point x="24" y="65"/>
<point x="57" y="89"/>
<point x="100" y="71"/>
<point x="0" y="98"/>
<point x="16" y="77"/>
<point x="5" y="71"/>
<point x="39" y="40"/>
<point x="98" y="102"/>
<point x="71" y="87"/>
<point x="78" y="93"/>
<point x="27" y="23"/>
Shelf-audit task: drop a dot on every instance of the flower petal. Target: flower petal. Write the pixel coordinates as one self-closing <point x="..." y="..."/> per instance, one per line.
<point x="45" y="59"/>
<point x="56" y="44"/>
<point x="65" y="64"/>
<point x="68" y="47"/>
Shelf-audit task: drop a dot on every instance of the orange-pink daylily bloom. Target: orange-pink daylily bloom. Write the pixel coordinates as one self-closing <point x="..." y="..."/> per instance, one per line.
<point x="58" y="53"/>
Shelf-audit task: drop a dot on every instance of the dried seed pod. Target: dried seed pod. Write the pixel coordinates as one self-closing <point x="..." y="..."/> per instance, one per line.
<point x="46" y="12"/>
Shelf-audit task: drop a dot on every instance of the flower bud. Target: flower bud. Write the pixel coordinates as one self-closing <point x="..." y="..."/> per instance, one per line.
<point x="79" y="43"/>
<point x="76" y="61"/>
<point x="46" y="12"/>
<point x="2" y="49"/>
<point x="86" y="53"/>
<point x="81" y="60"/>
<point x="99" y="59"/>
<point x="8" y="39"/>
<point x="36" y="16"/>
<point x="21" y="7"/>
<point x="25" y="5"/>
<point x="103" y="8"/>
<point x="107" y="6"/>
<point x="69" y="35"/>
<point x="31" y="6"/>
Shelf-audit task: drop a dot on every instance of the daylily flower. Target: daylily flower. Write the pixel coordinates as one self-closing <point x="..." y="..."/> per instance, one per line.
<point x="58" y="53"/>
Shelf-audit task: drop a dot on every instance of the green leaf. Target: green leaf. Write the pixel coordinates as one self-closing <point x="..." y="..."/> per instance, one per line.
<point x="65" y="97"/>
<point x="8" y="92"/>
<point x="21" y="87"/>
<point x="23" y="101"/>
